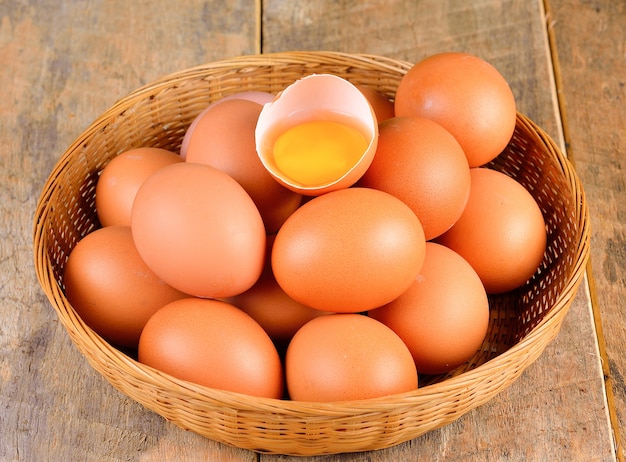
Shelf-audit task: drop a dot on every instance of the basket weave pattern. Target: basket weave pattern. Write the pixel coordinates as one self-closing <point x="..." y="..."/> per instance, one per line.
<point x="522" y="322"/>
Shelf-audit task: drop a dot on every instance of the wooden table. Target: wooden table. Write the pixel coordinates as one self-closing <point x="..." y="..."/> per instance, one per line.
<point x="63" y="62"/>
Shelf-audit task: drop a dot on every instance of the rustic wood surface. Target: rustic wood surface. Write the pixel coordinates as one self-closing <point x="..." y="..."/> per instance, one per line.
<point x="63" y="63"/>
<point x="590" y="39"/>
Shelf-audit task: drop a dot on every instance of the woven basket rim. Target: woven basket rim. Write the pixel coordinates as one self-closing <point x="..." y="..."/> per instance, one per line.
<point x="489" y="370"/>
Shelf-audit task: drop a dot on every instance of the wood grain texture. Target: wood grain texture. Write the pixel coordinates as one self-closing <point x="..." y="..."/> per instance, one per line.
<point x="534" y="419"/>
<point x="590" y="41"/>
<point x="64" y="62"/>
<point x="509" y="34"/>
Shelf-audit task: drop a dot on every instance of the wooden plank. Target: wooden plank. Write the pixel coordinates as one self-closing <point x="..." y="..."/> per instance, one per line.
<point x="590" y="40"/>
<point x="556" y="411"/>
<point x="64" y="63"/>
<point x="508" y="34"/>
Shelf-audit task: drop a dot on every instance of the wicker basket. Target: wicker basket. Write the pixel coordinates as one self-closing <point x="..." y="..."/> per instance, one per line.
<point x="522" y="322"/>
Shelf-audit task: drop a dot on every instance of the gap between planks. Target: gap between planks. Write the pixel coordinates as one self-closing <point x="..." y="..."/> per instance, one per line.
<point x="258" y="26"/>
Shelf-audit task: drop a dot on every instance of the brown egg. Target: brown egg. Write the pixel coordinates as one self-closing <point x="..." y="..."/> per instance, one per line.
<point x="111" y="288"/>
<point x="501" y="232"/>
<point x="268" y="304"/>
<point x="198" y="229"/>
<point x="347" y="357"/>
<point x="348" y="250"/>
<point x="382" y="106"/>
<point x="443" y="317"/>
<point x="259" y="97"/>
<point x="224" y="138"/>
<point x="467" y="96"/>
<point x="120" y="179"/>
<point x="212" y="343"/>
<point x="421" y="163"/>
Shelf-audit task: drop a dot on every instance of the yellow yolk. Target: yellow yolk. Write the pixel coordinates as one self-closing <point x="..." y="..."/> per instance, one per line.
<point x="318" y="152"/>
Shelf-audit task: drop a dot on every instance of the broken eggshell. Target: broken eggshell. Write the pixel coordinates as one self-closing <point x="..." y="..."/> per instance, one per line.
<point x="313" y="98"/>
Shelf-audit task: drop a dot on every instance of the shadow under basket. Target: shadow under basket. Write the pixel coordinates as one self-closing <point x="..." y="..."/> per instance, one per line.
<point x="522" y="322"/>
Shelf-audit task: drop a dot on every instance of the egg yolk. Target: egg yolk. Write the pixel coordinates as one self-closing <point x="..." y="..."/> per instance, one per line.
<point x="318" y="152"/>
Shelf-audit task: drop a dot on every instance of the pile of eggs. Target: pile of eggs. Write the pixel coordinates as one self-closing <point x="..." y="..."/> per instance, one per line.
<point x="323" y="244"/>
